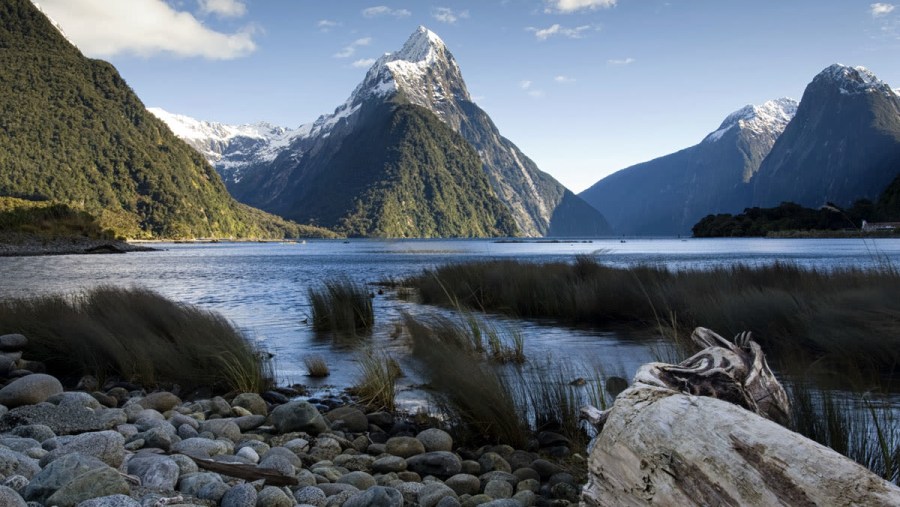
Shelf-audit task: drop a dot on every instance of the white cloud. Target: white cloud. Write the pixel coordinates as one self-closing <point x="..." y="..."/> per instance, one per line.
<point x="528" y="86"/>
<point x="577" y="5"/>
<point x="101" y="28"/>
<point x="620" y="61"/>
<point x="350" y="49"/>
<point x="223" y="8"/>
<point x="364" y="63"/>
<point x="447" y="15"/>
<point x="564" y="79"/>
<point x="383" y="10"/>
<point x="327" y="24"/>
<point x="881" y="9"/>
<point x="559" y="30"/>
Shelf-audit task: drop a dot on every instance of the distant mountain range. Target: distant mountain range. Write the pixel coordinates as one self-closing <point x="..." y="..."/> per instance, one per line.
<point x="73" y="132"/>
<point x="408" y="154"/>
<point x="840" y="144"/>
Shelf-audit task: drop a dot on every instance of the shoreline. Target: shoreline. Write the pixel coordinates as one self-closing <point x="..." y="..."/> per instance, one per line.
<point x="34" y="246"/>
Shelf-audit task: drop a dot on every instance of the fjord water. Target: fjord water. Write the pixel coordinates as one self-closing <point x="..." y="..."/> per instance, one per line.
<point x="262" y="287"/>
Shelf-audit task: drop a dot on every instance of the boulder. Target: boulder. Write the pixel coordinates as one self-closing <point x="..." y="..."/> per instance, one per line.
<point x="348" y="419"/>
<point x="432" y="493"/>
<point x="251" y="402"/>
<point x="438" y="463"/>
<point x="62" y="419"/>
<point x="107" y="446"/>
<point x="270" y="496"/>
<point x="103" y="481"/>
<point x="241" y="495"/>
<point x="13" y="342"/>
<point x="298" y="416"/>
<point x="203" y="485"/>
<point x="16" y="463"/>
<point x="435" y="439"/>
<point x="59" y="473"/>
<point x="155" y="471"/>
<point x="10" y="498"/>
<point x="29" y="390"/>
<point x="111" y="501"/>
<point x="377" y="496"/>
<point x="404" y="446"/>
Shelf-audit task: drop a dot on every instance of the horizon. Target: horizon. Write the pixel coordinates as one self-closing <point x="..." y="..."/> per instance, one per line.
<point x="582" y="87"/>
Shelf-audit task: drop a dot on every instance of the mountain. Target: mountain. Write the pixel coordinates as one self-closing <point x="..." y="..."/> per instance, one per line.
<point x="668" y="195"/>
<point x="843" y="144"/>
<point x="315" y="176"/>
<point x="72" y="131"/>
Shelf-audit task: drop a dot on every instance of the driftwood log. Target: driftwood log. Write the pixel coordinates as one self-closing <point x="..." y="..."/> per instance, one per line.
<point x="703" y="432"/>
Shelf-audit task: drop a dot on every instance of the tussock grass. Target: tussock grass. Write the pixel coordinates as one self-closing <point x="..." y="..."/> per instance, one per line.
<point x="376" y="387"/>
<point x="864" y="429"/>
<point x="845" y="316"/>
<point x="316" y="366"/>
<point x="137" y="335"/>
<point x="341" y="306"/>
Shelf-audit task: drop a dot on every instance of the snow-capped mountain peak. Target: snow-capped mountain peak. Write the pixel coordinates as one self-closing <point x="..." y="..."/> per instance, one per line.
<point x="771" y="117"/>
<point x="852" y="80"/>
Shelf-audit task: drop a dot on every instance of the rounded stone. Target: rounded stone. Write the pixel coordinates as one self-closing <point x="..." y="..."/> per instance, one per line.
<point x="532" y="485"/>
<point x="222" y="428"/>
<point x="435" y="439"/>
<point x="271" y="496"/>
<point x="491" y="461"/>
<point x="527" y="473"/>
<point x="13" y="342"/>
<point x="94" y="483"/>
<point x="496" y="475"/>
<point x="108" y="446"/>
<point x="161" y="401"/>
<point x="360" y="480"/>
<point x="203" y="485"/>
<point x="298" y="416"/>
<point x="449" y="501"/>
<point x="10" y="498"/>
<point x="348" y="419"/>
<point x="464" y="484"/>
<point x="545" y="468"/>
<point x="498" y="488"/>
<point x="565" y="491"/>
<point x="377" y="496"/>
<point x="388" y="464"/>
<point x="310" y="495"/>
<point x="29" y="390"/>
<point x="111" y="501"/>
<point x="75" y="398"/>
<point x="200" y="447"/>
<point x="241" y="495"/>
<point x="155" y="471"/>
<point x="410" y="491"/>
<point x="432" y="493"/>
<point x="251" y="402"/>
<point x="39" y="432"/>
<point x="438" y="463"/>
<point x="525" y="498"/>
<point x="404" y="447"/>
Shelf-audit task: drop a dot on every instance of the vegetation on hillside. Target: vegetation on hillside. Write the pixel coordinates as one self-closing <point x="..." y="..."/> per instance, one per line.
<point x="792" y="217"/>
<point x="45" y="219"/>
<point x="72" y="131"/>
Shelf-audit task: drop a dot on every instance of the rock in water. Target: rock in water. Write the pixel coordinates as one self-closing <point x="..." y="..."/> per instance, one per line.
<point x="661" y="446"/>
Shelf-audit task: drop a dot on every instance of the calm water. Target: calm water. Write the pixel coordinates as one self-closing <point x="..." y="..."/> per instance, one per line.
<point x="262" y="287"/>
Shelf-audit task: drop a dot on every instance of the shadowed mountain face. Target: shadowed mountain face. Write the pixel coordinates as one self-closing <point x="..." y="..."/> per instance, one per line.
<point x="285" y="170"/>
<point x="668" y="195"/>
<point x="843" y="144"/>
<point x="72" y="131"/>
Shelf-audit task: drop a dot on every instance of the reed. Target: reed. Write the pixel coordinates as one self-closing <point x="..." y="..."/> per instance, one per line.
<point x="136" y="335"/>
<point x="843" y="316"/>
<point x="316" y="366"/>
<point x="376" y="387"/>
<point x="341" y="306"/>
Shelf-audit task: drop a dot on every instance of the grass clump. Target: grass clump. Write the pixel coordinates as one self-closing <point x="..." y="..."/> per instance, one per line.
<point x="864" y="429"/>
<point x="844" y="315"/>
<point x="316" y="366"/>
<point x="136" y="335"/>
<point x="341" y="306"/>
<point x="376" y="387"/>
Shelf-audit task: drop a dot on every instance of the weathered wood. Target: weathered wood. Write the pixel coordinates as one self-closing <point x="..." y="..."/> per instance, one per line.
<point x="662" y="444"/>
<point x="246" y="472"/>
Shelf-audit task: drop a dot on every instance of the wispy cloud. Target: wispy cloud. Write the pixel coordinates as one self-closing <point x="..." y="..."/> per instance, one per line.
<point x="326" y="25"/>
<point x="447" y="15"/>
<point x="383" y="10"/>
<point x="147" y="28"/>
<point x="363" y="63"/>
<point x="620" y="61"/>
<point x="223" y="8"/>
<point x="564" y="79"/>
<point x="529" y="88"/>
<point x="350" y="49"/>
<point x="881" y="9"/>
<point x="557" y="30"/>
<point x="568" y="6"/>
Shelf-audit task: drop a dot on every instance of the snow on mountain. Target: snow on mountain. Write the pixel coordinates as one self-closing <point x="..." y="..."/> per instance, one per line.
<point x="770" y="117"/>
<point x="53" y="22"/>
<point x="853" y="80"/>
<point x="212" y="139"/>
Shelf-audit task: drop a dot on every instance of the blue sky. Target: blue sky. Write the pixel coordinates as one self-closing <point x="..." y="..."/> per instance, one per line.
<point x="583" y="87"/>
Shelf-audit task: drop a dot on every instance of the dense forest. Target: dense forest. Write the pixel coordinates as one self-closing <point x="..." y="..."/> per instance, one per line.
<point x="789" y="216"/>
<point x="73" y="132"/>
